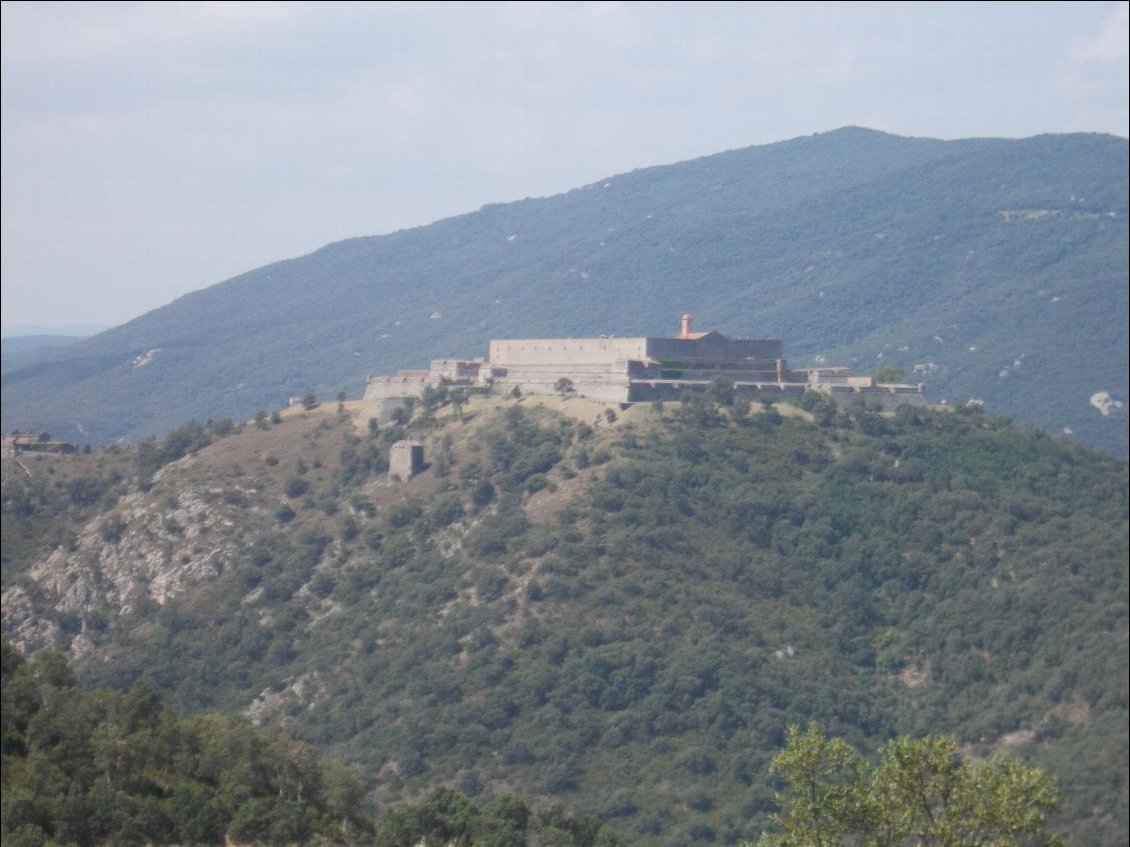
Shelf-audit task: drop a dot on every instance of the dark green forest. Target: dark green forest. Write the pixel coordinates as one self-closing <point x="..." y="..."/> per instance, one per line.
<point x="990" y="269"/>
<point x="90" y="768"/>
<point x="108" y="768"/>
<point x="623" y="614"/>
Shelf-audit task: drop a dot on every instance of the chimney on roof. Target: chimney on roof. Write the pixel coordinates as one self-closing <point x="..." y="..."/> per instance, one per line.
<point x="686" y="325"/>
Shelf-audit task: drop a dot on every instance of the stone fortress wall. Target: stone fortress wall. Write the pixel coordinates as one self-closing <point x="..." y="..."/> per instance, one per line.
<point x="713" y="347"/>
<point x="608" y="384"/>
<point x="566" y="351"/>
<point x="632" y="370"/>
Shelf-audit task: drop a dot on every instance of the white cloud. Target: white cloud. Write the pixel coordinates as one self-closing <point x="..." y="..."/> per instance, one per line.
<point x="1110" y="44"/>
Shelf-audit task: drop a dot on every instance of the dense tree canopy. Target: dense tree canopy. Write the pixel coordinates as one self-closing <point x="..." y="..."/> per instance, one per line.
<point x="102" y="767"/>
<point x="97" y="768"/>
<point x="919" y="793"/>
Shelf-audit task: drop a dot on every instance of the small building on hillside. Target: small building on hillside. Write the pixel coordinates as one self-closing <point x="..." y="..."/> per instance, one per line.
<point x="405" y="460"/>
<point x="26" y="442"/>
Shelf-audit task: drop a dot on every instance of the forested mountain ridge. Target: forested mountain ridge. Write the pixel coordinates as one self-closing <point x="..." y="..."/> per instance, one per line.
<point x="622" y="612"/>
<point x="990" y="269"/>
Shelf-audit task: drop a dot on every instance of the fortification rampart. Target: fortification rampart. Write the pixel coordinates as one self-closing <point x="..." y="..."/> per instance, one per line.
<point x="712" y="347"/>
<point x="646" y="391"/>
<point x="400" y="385"/>
<point x="608" y="384"/>
<point x="466" y="371"/>
<point x="628" y="370"/>
<point x="566" y="351"/>
<point x="413" y="383"/>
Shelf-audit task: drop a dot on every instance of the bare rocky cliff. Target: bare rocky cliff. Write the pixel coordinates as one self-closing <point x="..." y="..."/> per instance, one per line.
<point x="153" y="546"/>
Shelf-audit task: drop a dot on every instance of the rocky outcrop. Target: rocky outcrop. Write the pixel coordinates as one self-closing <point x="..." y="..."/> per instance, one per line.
<point x="152" y="547"/>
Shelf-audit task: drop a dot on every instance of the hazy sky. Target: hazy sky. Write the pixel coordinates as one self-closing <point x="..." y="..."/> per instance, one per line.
<point x="149" y="150"/>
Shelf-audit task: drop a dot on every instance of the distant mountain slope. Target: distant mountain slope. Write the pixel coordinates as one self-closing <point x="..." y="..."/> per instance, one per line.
<point x="26" y="343"/>
<point x="623" y="616"/>
<point x="995" y="269"/>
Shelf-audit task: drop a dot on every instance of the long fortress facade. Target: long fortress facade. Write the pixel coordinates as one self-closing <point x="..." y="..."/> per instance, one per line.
<point x="634" y="370"/>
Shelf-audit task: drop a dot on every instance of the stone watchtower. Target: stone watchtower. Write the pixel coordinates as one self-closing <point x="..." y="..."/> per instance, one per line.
<point x="405" y="460"/>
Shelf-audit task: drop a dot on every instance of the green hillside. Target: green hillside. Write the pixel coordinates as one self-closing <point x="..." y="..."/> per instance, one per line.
<point x="620" y="612"/>
<point x="107" y="768"/>
<point x="993" y="270"/>
<point x="89" y="768"/>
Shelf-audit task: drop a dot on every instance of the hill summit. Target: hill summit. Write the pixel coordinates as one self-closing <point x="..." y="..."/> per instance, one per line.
<point x="619" y="609"/>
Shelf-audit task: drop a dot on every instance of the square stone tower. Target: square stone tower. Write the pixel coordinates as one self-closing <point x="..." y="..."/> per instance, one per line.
<point x="405" y="460"/>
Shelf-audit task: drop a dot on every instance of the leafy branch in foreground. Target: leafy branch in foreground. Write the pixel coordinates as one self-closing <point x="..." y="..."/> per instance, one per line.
<point x="918" y="793"/>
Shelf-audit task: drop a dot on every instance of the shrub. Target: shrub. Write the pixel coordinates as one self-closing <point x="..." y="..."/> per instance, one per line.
<point x="296" y="487"/>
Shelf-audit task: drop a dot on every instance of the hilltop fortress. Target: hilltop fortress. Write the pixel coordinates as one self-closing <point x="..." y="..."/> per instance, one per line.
<point x="634" y="370"/>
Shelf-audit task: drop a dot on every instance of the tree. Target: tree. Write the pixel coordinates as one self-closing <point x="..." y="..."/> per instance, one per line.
<point x="918" y="793"/>
<point x="482" y="494"/>
<point x="309" y="400"/>
<point x="889" y="374"/>
<point x="564" y="387"/>
<point x="296" y="486"/>
<point x="721" y="391"/>
<point x="50" y="668"/>
<point x="458" y="398"/>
